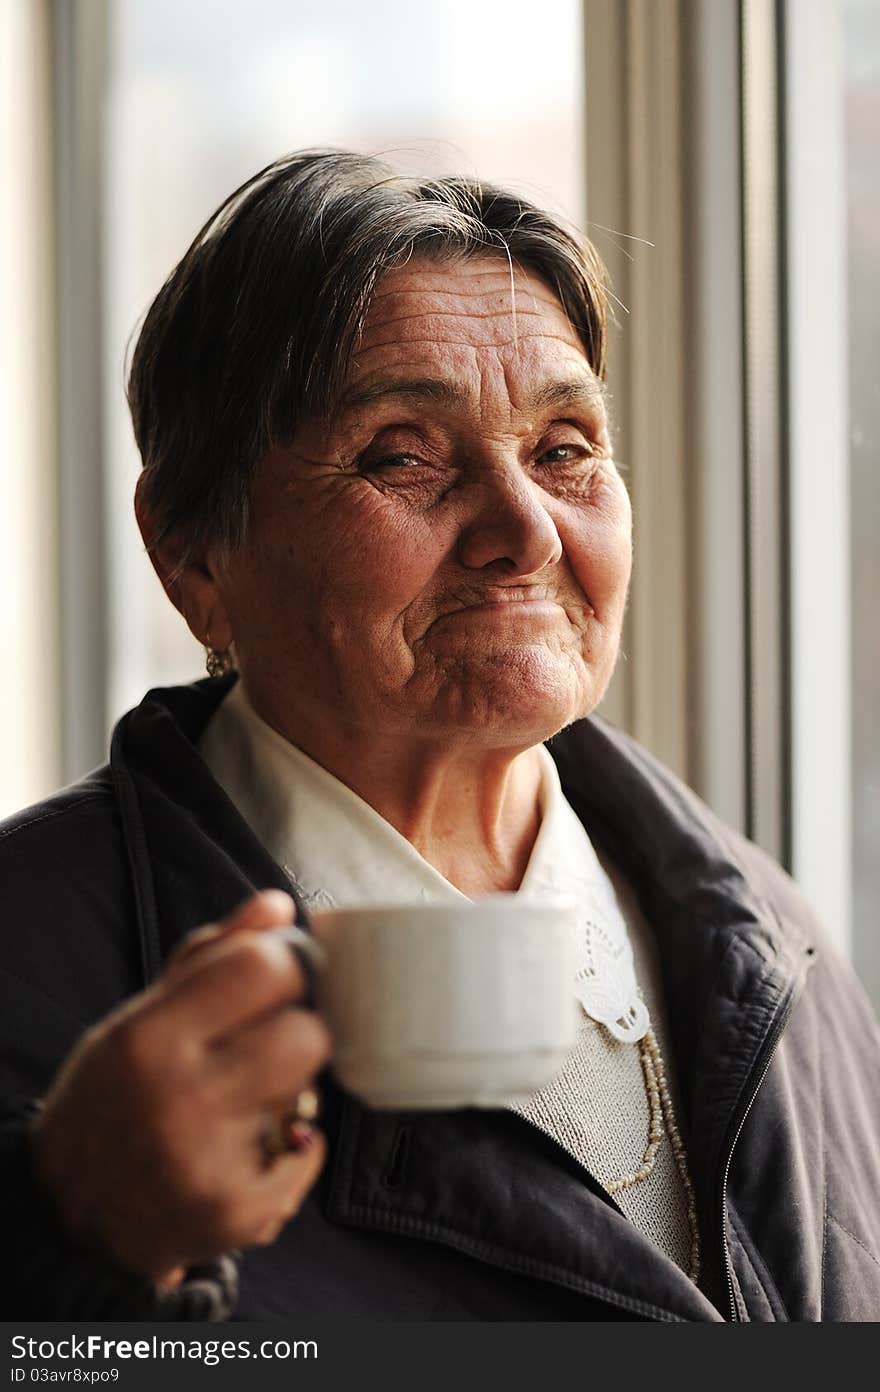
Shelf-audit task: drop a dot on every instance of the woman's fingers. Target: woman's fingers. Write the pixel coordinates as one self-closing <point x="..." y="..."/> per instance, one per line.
<point x="287" y="1183"/>
<point x="270" y="1061"/>
<point x="232" y="983"/>
<point x="175" y="1091"/>
<point x="270" y="908"/>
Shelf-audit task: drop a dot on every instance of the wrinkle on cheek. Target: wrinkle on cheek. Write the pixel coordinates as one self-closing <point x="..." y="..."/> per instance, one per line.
<point x="599" y="554"/>
<point x="609" y="498"/>
<point x="369" y="552"/>
<point x="418" y="490"/>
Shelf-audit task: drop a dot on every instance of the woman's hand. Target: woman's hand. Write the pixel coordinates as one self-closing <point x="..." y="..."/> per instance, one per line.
<point x="149" y="1139"/>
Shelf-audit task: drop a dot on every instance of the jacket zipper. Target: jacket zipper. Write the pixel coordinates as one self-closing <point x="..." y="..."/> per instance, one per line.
<point x="767" y="1055"/>
<point x="604" y="1195"/>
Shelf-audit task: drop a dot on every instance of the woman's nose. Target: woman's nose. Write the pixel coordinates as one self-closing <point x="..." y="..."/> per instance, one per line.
<point x="509" y="523"/>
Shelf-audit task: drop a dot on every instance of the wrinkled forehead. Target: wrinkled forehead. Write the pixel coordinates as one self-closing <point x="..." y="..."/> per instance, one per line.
<point x="481" y="301"/>
<point x="458" y="320"/>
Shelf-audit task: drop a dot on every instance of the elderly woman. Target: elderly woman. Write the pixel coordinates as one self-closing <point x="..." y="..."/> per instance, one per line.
<point x="378" y="485"/>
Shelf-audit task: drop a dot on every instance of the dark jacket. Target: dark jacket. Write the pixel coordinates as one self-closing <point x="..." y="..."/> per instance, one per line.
<point x="469" y="1214"/>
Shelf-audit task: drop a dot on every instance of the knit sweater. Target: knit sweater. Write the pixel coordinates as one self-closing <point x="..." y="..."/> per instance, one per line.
<point x="338" y="850"/>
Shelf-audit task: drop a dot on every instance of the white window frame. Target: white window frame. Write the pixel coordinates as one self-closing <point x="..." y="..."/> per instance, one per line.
<point x="663" y="164"/>
<point x="736" y="669"/>
<point x="30" y="704"/>
<point x="79" y="34"/>
<point x="818" y="436"/>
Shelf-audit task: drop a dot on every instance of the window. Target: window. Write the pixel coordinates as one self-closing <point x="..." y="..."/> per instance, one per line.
<point x="201" y="95"/>
<point x="861" y="79"/>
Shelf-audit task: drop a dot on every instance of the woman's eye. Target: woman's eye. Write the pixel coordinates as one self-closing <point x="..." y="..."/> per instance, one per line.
<point x="391" y="461"/>
<point x="568" y="454"/>
<point x="397" y="461"/>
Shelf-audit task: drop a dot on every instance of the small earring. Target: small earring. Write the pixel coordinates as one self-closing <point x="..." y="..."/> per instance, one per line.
<point x="218" y="661"/>
<point x="217" y="664"/>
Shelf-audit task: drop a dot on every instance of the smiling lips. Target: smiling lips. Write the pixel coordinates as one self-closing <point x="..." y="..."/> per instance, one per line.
<point x="514" y="595"/>
<point x="510" y="608"/>
<point x="506" y="608"/>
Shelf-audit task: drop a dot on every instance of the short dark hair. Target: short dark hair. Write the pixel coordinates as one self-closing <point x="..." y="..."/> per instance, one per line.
<point x="254" y="328"/>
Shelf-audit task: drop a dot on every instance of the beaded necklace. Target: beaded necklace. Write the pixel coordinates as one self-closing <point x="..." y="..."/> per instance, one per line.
<point x="661" y="1124"/>
<point x="607" y="989"/>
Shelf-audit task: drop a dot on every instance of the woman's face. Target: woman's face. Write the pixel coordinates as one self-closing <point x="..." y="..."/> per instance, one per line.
<point x="449" y="558"/>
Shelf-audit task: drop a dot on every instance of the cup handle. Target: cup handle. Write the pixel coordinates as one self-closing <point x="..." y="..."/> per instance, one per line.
<point x="312" y="957"/>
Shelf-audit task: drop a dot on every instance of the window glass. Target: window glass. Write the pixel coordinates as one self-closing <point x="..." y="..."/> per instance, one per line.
<point x="202" y="94"/>
<point x="862" y="79"/>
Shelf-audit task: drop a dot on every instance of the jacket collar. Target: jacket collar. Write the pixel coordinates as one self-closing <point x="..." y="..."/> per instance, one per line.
<point x="729" y="969"/>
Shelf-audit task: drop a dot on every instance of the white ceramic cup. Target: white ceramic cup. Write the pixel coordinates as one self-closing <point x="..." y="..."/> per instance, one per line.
<point x="446" y="1005"/>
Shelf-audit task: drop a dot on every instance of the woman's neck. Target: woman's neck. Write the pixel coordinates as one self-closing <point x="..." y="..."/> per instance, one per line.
<point x="472" y="812"/>
<point x="477" y="827"/>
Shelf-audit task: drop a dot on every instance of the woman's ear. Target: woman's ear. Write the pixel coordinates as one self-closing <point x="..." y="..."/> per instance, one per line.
<point x="193" y="587"/>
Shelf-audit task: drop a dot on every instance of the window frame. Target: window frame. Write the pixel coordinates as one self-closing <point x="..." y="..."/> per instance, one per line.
<point x="745" y="690"/>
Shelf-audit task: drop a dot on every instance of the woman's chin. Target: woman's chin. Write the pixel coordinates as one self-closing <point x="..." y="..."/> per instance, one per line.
<point x="524" y="699"/>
